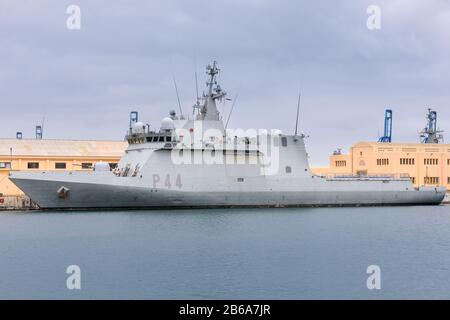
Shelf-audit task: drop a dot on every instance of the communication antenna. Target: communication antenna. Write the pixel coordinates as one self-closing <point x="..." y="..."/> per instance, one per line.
<point x="178" y="96"/>
<point x="298" y="111"/>
<point x="11" y="157"/>
<point x="231" y="110"/>
<point x="42" y="127"/>
<point x="196" y="87"/>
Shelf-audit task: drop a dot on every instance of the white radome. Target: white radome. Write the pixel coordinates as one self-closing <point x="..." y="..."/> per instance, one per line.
<point x="138" y="127"/>
<point x="167" y="124"/>
<point x="101" y="166"/>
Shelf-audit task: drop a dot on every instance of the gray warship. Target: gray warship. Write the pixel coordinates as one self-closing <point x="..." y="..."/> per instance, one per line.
<point x="196" y="162"/>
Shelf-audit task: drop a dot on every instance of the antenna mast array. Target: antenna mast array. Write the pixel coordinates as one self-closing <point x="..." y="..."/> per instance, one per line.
<point x="431" y="134"/>
<point x="178" y="96"/>
<point x="298" y="111"/>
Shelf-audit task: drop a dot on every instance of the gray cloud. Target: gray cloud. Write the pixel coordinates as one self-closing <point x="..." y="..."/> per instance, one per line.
<point x="86" y="82"/>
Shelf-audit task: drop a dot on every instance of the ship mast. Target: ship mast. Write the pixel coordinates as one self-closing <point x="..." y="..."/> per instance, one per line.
<point x="208" y="110"/>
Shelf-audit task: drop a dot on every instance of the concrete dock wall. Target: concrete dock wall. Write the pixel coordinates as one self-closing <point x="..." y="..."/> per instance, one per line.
<point x="16" y="203"/>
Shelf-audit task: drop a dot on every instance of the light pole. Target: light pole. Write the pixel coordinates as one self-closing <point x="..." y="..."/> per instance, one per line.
<point x="11" y="158"/>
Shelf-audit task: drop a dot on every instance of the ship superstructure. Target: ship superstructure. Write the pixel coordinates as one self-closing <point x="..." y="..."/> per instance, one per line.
<point x="195" y="162"/>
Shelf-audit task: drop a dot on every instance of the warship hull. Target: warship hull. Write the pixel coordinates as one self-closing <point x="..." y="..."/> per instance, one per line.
<point x="99" y="195"/>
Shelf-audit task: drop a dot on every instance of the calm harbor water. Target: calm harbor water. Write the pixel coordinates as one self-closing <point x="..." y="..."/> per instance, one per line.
<point x="316" y="253"/>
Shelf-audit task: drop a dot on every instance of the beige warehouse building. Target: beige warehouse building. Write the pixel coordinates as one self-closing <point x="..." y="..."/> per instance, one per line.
<point x="425" y="164"/>
<point x="40" y="155"/>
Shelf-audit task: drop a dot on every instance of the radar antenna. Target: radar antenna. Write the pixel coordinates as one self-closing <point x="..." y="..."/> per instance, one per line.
<point x="208" y="109"/>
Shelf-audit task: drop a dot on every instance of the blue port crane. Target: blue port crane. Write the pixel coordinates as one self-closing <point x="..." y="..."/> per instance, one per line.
<point x="387" y="136"/>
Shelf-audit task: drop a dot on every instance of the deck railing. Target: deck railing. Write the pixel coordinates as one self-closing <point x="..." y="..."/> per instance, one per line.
<point x="398" y="176"/>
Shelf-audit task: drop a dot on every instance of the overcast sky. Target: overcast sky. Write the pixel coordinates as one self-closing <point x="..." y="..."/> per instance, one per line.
<point x="85" y="82"/>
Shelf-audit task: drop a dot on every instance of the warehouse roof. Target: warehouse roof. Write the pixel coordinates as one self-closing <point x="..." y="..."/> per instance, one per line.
<point x="399" y="145"/>
<point x="58" y="148"/>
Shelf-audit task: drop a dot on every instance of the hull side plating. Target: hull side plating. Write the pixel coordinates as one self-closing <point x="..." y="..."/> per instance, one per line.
<point x="88" y="195"/>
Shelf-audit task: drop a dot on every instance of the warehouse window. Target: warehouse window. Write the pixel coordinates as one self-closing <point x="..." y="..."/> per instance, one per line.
<point x="431" y="162"/>
<point x="341" y="163"/>
<point x="407" y="161"/>
<point x="413" y="180"/>
<point x="60" y="165"/>
<point x="448" y="180"/>
<point x="431" y="180"/>
<point x="86" y="165"/>
<point x="5" y="165"/>
<point x="284" y="141"/>
<point x="33" y="165"/>
<point x="240" y="179"/>
<point x="382" y="162"/>
<point x="288" y="169"/>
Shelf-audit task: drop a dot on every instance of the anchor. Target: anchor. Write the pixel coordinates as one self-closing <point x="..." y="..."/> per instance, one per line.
<point x="63" y="192"/>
